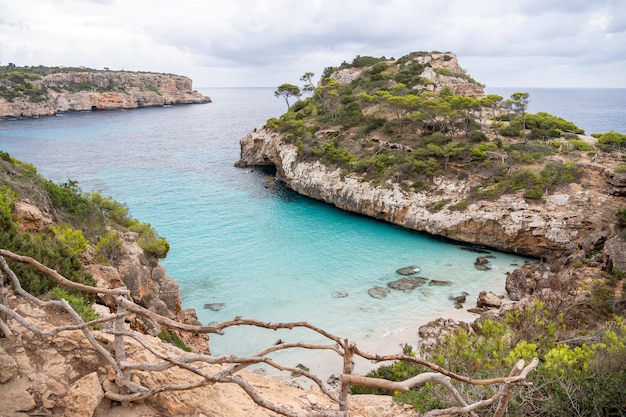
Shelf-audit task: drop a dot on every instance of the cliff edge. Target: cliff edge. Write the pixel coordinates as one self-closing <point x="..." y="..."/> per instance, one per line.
<point x="33" y="91"/>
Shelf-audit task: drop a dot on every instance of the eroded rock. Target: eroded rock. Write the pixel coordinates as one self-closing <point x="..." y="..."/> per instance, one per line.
<point x="488" y="299"/>
<point x="378" y="292"/>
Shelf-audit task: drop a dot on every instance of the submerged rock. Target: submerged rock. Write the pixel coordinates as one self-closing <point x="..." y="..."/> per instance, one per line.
<point x="214" y="306"/>
<point x="408" y="270"/>
<point x="439" y="283"/>
<point x="378" y="292"/>
<point x="340" y="294"/>
<point x="407" y="284"/>
<point x="474" y="249"/>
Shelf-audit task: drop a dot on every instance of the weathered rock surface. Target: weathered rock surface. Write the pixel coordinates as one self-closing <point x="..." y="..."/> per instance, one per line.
<point x="150" y="287"/>
<point x="83" y="397"/>
<point x="408" y="270"/>
<point x="407" y="284"/>
<point x="111" y="90"/>
<point x="488" y="299"/>
<point x="548" y="229"/>
<point x="378" y="292"/>
<point x="432" y="334"/>
<point x="615" y="250"/>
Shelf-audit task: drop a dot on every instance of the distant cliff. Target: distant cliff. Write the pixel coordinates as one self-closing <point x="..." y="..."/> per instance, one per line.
<point x="40" y="91"/>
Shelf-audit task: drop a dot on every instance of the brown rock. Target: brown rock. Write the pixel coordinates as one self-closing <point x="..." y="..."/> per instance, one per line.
<point x="31" y="217"/>
<point x="407" y="284"/>
<point x="16" y="399"/>
<point x="83" y="397"/>
<point x="432" y="333"/>
<point x="488" y="299"/>
<point x="615" y="251"/>
<point x="378" y="292"/>
<point x="8" y="367"/>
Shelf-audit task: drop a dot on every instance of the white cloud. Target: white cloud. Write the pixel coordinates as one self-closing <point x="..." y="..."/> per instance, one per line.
<point x="527" y="43"/>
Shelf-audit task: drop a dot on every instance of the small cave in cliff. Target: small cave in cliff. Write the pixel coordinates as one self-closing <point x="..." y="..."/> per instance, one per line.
<point x="268" y="170"/>
<point x="94" y="108"/>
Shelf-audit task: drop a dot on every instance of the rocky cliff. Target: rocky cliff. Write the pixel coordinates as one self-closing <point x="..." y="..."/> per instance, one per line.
<point x="414" y="141"/>
<point x="91" y="90"/>
<point x="546" y="229"/>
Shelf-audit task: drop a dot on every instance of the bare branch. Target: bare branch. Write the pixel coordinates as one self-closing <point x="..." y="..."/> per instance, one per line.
<point x="60" y="278"/>
<point x="238" y="321"/>
<point x="157" y="318"/>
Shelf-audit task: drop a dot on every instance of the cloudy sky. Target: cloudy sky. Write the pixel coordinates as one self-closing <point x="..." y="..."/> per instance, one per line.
<point x="264" y="43"/>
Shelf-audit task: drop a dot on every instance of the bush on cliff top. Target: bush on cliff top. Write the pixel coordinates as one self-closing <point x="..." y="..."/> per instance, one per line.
<point x="382" y="123"/>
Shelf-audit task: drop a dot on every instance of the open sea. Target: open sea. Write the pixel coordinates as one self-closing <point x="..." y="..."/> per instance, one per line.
<point x="268" y="254"/>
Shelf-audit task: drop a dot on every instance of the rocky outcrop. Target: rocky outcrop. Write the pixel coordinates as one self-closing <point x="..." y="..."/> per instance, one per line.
<point x="548" y="229"/>
<point x="149" y="286"/>
<point x="105" y="90"/>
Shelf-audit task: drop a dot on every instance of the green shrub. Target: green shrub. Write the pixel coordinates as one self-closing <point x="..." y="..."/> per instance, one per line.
<point x="149" y="240"/>
<point x="76" y="207"/>
<point x="74" y="239"/>
<point x="477" y="137"/>
<point x="610" y="140"/>
<point x="172" y="337"/>
<point x="113" y="210"/>
<point x="109" y="248"/>
<point x="580" y="145"/>
<point x="332" y="153"/>
<point x="462" y="205"/>
<point x="80" y="302"/>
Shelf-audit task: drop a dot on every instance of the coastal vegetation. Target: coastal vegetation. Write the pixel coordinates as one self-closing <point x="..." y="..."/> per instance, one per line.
<point x="82" y="220"/>
<point x="391" y="124"/>
<point x="18" y="82"/>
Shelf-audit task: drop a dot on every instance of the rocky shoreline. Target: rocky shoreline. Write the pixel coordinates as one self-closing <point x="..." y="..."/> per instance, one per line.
<point x="102" y="90"/>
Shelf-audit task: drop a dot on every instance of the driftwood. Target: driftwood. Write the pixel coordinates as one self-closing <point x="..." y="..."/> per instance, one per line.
<point x="129" y="391"/>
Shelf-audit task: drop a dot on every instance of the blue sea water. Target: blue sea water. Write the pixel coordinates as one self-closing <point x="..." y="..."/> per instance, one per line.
<point x="266" y="254"/>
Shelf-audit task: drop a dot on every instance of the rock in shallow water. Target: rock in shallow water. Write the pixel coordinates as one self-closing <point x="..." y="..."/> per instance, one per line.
<point x="378" y="292"/>
<point x="439" y="283"/>
<point x="214" y="306"/>
<point x="408" y="270"/>
<point x="407" y="284"/>
<point x="340" y="294"/>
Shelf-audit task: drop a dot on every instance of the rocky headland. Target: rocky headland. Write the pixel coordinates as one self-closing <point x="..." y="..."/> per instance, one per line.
<point x="27" y="94"/>
<point x="571" y="218"/>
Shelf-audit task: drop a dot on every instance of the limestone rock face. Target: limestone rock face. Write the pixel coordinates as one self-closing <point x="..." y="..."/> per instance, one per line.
<point x="547" y="229"/>
<point x="111" y="90"/>
<point x="615" y="250"/>
<point x="147" y="281"/>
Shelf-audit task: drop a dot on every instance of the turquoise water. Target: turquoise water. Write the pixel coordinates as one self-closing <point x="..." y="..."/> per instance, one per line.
<point x="263" y="253"/>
